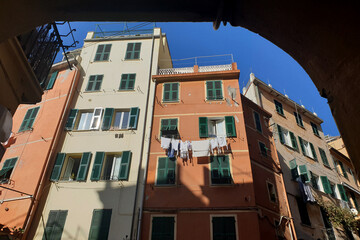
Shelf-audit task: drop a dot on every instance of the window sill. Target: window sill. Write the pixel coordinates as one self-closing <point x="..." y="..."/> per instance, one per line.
<point x="95" y="61"/>
<point x="95" y="91"/>
<point x="308" y="226"/>
<point x="126" y="90"/>
<point x="215" y="100"/>
<point x="130" y="59"/>
<point x="85" y="130"/>
<point x="317" y="136"/>
<point x="301" y="126"/>
<point x="283" y="115"/>
<point x="166" y="102"/>
<point x="290" y="147"/>
<point x="327" y="166"/>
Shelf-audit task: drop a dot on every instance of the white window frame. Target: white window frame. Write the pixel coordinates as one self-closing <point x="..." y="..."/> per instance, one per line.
<point x="121" y="119"/>
<point x="286" y="136"/>
<point x="220" y="123"/>
<point x="79" y="117"/>
<point x="96" y="117"/>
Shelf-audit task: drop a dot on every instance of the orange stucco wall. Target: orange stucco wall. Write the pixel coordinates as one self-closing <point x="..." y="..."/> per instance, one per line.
<point x="32" y="148"/>
<point x="193" y="199"/>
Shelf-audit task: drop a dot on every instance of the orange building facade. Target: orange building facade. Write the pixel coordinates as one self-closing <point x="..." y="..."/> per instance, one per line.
<point x="233" y="192"/>
<point x="35" y="134"/>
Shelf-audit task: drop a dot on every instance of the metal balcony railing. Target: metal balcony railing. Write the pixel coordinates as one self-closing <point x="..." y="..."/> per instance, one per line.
<point x="40" y="47"/>
<point x="212" y="68"/>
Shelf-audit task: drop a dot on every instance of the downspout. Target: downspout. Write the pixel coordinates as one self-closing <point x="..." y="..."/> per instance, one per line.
<point x="40" y="186"/>
<point x="142" y="151"/>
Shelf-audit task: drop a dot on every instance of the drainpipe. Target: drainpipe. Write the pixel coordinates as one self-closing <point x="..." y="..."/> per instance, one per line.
<point x="141" y="154"/>
<point x="40" y="186"/>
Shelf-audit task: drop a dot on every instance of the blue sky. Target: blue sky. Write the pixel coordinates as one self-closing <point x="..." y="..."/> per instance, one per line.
<point x="251" y="52"/>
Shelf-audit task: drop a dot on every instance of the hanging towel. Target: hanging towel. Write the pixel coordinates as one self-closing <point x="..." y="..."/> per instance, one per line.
<point x="214" y="144"/>
<point x="201" y="148"/>
<point x="175" y="144"/>
<point x="165" y="142"/>
<point x="222" y="142"/>
<point x="184" y="153"/>
<point x="189" y="146"/>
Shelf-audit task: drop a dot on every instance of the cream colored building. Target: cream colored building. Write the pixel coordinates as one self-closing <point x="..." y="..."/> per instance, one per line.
<point x="303" y="154"/>
<point x="97" y="180"/>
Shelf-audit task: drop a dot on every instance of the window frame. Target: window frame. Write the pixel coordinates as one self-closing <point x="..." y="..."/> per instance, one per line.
<point x="261" y="147"/>
<point x="103" y="53"/>
<point x="315" y="129"/>
<point x="94" y="83"/>
<point x="224" y="215"/>
<point x="50" y="224"/>
<point x="4" y="167"/>
<point x="132" y="51"/>
<point x="162" y="215"/>
<point x="127" y="78"/>
<point x="157" y="184"/>
<point x="275" y="191"/>
<point x="230" y="179"/>
<point x="171" y="91"/>
<point x="210" y="123"/>
<point x="287" y="138"/>
<point x="279" y="108"/>
<point x="214" y="89"/>
<point x="324" y="157"/>
<point x="257" y="121"/>
<point x="305" y="145"/>
<point x="168" y="125"/>
<point x="298" y="119"/>
<point x="101" y="227"/>
<point x="316" y="178"/>
<point x="28" y="122"/>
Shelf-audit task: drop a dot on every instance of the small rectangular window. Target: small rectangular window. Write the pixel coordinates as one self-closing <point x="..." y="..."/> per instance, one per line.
<point x="100" y="224"/>
<point x="166" y="171"/>
<point x="315" y="129"/>
<point x="220" y="170"/>
<point x="326" y="185"/>
<point x="29" y="119"/>
<point x="298" y="119"/>
<point x="314" y="180"/>
<point x="223" y="228"/>
<point x="257" y="121"/>
<point x="70" y="168"/>
<point x="308" y="149"/>
<point x="133" y="51"/>
<point x="169" y="127"/>
<point x="216" y="127"/>
<point x="103" y="52"/>
<point x="272" y="192"/>
<point x="343" y="171"/>
<point x="288" y="138"/>
<point x="279" y="107"/>
<point x="7" y="169"/>
<point x="94" y="83"/>
<point x="55" y="224"/>
<point x="163" y="228"/>
<point x="171" y="92"/>
<point x="121" y="119"/>
<point x="127" y="81"/>
<point x="304" y="215"/>
<point x="323" y="157"/>
<point x="263" y="149"/>
<point x="214" y="90"/>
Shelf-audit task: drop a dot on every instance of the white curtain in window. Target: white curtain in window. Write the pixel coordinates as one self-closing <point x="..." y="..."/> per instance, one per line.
<point x="68" y="170"/>
<point x="96" y="119"/>
<point x="85" y="120"/>
<point x="220" y="128"/>
<point x="115" y="167"/>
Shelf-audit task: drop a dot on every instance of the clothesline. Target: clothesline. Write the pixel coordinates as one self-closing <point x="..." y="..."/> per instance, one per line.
<point x="199" y="148"/>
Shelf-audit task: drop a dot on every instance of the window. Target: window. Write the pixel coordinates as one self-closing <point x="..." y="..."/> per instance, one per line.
<point x="7" y="169"/>
<point x="133" y="51"/>
<point x="116" y="119"/>
<point x="55" y="224"/>
<point x="166" y="171"/>
<point x="100" y="224"/>
<point x="52" y="80"/>
<point x="29" y="119"/>
<point x="257" y="121"/>
<point x="220" y="170"/>
<point x="272" y="192"/>
<point x="304" y="215"/>
<point x="323" y="157"/>
<point x="343" y="171"/>
<point x="333" y="189"/>
<point x="111" y="166"/>
<point x="288" y="138"/>
<point x="314" y="180"/>
<point x="73" y="167"/>
<point x="308" y="149"/>
<point x="89" y="119"/>
<point x="326" y="184"/>
<point x="299" y="171"/>
<point x="279" y="107"/>
<point x="342" y="192"/>
<point x="298" y="119"/>
<point x="355" y="204"/>
<point x="214" y="90"/>
<point x="103" y="52"/>
<point x="94" y="83"/>
<point x="223" y="228"/>
<point x="217" y="126"/>
<point x="163" y="228"/>
<point x="127" y="81"/>
<point x="169" y="127"/>
<point x="263" y="149"/>
<point x="315" y="129"/>
<point x="171" y="92"/>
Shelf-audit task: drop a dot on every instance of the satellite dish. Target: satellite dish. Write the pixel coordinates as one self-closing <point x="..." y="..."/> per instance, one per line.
<point x="6" y="124"/>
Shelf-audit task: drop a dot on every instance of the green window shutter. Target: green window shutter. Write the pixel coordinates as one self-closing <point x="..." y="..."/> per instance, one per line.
<point x="55" y="175"/>
<point x="103" y="52"/>
<point x="343" y="169"/>
<point x="52" y="80"/>
<point x="278" y="107"/>
<point x="313" y="151"/>
<point x="230" y="126"/>
<point x="133" y="51"/>
<point x="125" y="165"/>
<point x="293" y="141"/>
<point x="32" y="117"/>
<point x="84" y="165"/>
<point x="170" y="92"/>
<point x="296" y="118"/>
<point x="49" y="225"/>
<point x="302" y="146"/>
<point x="214" y="90"/>
<point x="323" y="157"/>
<point x="55" y="225"/>
<point x="71" y="119"/>
<point x="12" y="162"/>
<point x="134" y="115"/>
<point x="220" y="170"/>
<point x="29" y="119"/>
<point x="25" y="121"/>
<point x="203" y="127"/>
<point x="304" y="173"/>
<point x="127" y="81"/>
<point x="223" y="228"/>
<point x="108" y="116"/>
<point x="94" y="83"/>
<point x="215" y="168"/>
<point x="166" y="171"/>
<point x="162" y="228"/>
<point x="326" y="184"/>
<point x="100" y="224"/>
<point x="257" y="121"/>
<point x="97" y="167"/>
<point x="281" y="136"/>
<point x="294" y="169"/>
<point x="342" y="193"/>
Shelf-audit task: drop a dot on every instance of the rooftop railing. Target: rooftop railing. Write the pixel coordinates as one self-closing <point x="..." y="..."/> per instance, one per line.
<point x="212" y="68"/>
